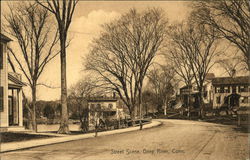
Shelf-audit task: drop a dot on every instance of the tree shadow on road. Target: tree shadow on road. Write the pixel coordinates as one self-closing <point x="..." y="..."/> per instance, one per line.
<point x="242" y="129"/>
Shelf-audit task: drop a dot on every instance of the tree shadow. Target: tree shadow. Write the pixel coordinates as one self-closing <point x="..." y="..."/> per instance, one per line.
<point x="242" y="129"/>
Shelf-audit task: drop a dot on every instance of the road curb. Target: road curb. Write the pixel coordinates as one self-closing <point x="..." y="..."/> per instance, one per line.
<point x="15" y="146"/>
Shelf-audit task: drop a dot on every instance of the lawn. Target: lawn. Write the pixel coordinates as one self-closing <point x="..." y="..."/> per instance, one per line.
<point x="227" y="120"/>
<point x="16" y="136"/>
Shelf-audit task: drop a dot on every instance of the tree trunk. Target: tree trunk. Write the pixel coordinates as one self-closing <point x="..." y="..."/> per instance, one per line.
<point x="33" y="115"/>
<point x="64" y="128"/>
<point x="189" y="104"/>
<point x="165" y="102"/>
<point x="133" y="114"/>
<point x="201" y="104"/>
<point x="140" y="108"/>
<point x="30" y="125"/>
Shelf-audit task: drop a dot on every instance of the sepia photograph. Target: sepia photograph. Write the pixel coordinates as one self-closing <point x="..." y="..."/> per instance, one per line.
<point x="125" y="80"/>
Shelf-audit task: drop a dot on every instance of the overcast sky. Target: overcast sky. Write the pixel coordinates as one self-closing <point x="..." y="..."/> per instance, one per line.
<point x="85" y="26"/>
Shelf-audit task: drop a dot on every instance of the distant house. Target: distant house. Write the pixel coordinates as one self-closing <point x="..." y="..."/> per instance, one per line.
<point x="231" y="92"/>
<point x="104" y="108"/>
<point x="11" y="109"/>
<point x="189" y="94"/>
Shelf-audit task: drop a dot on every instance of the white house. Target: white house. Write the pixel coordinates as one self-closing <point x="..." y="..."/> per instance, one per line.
<point x="11" y="109"/>
<point x="191" y="92"/>
<point x="231" y="92"/>
<point x="104" y="107"/>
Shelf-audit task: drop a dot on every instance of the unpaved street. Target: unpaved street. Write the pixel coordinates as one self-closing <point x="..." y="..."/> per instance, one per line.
<point x="173" y="140"/>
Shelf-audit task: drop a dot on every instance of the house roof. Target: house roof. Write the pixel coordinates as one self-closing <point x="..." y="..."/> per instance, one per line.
<point x="4" y="38"/>
<point x="186" y="87"/>
<point x="231" y="80"/>
<point x="102" y="99"/>
<point x="210" y="76"/>
<point x="208" y="79"/>
<point x="16" y="81"/>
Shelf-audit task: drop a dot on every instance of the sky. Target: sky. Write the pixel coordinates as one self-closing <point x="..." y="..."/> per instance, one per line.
<point x="86" y="25"/>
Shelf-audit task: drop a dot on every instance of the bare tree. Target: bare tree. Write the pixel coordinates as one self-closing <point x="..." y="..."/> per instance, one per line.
<point x="199" y="45"/>
<point x="231" y="18"/>
<point x="29" y="24"/>
<point x="79" y="94"/>
<point x="232" y="65"/>
<point x="178" y="58"/>
<point x="63" y="12"/>
<point x="162" y="81"/>
<point x="124" y="52"/>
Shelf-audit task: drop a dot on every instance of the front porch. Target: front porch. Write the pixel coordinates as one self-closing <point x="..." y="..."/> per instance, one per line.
<point x="12" y="115"/>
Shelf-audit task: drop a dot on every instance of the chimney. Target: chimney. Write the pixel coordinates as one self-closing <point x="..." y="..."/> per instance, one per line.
<point x="114" y="95"/>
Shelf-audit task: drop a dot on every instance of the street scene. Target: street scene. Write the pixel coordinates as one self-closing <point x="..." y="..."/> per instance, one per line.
<point x="176" y="139"/>
<point x="125" y="80"/>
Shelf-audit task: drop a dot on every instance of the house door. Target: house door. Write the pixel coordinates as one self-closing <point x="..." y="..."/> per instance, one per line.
<point x="11" y="114"/>
<point x="234" y="100"/>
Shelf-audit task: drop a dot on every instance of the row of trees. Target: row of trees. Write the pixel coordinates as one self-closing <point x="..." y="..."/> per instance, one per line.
<point x="31" y="25"/>
<point x="124" y="52"/>
<point x="193" y="49"/>
<point x="161" y="86"/>
<point x="195" y="46"/>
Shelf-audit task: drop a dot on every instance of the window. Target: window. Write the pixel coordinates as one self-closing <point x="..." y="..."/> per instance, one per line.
<point x="218" y="100"/>
<point x="92" y="114"/>
<point x="110" y="106"/>
<point x="234" y="89"/>
<point x="1" y="98"/>
<point x="244" y="99"/>
<point x="217" y="89"/>
<point x="98" y="106"/>
<point x="195" y="88"/>
<point x="227" y="89"/>
<point x="1" y="56"/>
<point x="222" y="90"/>
<point x="243" y="88"/>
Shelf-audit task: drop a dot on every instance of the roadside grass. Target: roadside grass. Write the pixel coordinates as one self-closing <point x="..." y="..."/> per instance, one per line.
<point x="227" y="120"/>
<point x="6" y="137"/>
<point x="242" y="129"/>
<point x="16" y="136"/>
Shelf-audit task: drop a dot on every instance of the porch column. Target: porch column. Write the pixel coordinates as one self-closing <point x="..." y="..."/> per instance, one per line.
<point x="20" y="106"/>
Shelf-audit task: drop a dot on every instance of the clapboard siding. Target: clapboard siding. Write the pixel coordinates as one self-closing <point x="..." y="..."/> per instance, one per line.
<point x="4" y="84"/>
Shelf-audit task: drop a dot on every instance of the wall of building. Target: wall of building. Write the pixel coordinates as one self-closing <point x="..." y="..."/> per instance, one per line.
<point x="223" y="95"/>
<point x="4" y="82"/>
<point x="104" y="104"/>
<point x="244" y="96"/>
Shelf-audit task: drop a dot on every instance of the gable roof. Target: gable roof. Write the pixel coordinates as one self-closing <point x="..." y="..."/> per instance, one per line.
<point x="4" y="38"/>
<point x="102" y="99"/>
<point x="231" y="80"/>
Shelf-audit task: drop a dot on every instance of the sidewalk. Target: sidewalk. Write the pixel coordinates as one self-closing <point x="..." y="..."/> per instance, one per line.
<point x="12" y="146"/>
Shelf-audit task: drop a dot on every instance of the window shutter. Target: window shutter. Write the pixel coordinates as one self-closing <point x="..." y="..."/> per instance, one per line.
<point x="1" y="98"/>
<point x="1" y="56"/>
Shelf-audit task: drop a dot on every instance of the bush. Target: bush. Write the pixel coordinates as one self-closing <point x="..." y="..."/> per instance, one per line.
<point x="74" y="116"/>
